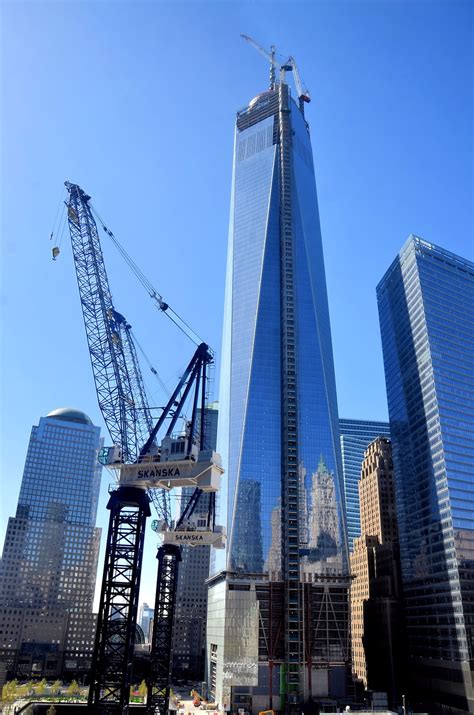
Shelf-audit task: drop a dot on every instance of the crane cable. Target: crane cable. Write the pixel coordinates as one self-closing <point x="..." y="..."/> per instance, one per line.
<point x="58" y="227"/>
<point x="152" y="369"/>
<point x="152" y="292"/>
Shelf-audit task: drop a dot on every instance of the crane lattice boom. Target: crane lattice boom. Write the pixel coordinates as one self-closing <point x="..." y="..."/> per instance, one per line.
<point x="143" y="466"/>
<point x="117" y="375"/>
<point x="118" y="380"/>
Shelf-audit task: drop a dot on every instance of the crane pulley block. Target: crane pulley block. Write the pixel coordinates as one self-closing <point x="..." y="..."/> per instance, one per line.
<point x="205" y="473"/>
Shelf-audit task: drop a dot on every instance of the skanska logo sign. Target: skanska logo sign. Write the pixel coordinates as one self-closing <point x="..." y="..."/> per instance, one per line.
<point x="158" y="473"/>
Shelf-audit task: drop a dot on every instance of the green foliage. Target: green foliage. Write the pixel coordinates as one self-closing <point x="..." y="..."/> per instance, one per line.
<point x="56" y="687"/>
<point x="73" y="688"/>
<point x="142" y="689"/>
<point x="41" y="686"/>
<point x="10" y="691"/>
<point x="25" y="690"/>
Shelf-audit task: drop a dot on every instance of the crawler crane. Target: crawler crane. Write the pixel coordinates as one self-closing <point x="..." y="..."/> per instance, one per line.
<point x="146" y="471"/>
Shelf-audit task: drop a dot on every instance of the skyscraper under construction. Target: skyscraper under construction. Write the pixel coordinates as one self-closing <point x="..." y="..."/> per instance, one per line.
<point x="278" y="607"/>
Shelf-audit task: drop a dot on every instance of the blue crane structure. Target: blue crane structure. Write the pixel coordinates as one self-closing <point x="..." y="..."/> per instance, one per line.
<point x="128" y="417"/>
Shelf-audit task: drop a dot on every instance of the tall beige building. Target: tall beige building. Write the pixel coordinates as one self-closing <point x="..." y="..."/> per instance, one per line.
<point x="376" y="492"/>
<point x="375" y="610"/>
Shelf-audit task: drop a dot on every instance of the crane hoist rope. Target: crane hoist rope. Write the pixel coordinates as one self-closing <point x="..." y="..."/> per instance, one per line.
<point x="59" y="225"/>
<point x="152" y="369"/>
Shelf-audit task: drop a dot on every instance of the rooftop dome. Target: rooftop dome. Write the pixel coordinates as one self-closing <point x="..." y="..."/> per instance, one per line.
<point x="69" y="414"/>
<point x="263" y="95"/>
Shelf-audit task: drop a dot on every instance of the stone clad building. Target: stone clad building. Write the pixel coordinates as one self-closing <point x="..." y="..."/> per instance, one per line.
<point x="375" y="592"/>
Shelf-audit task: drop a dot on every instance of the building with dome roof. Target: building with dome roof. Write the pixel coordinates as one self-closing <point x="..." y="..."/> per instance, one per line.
<point x="49" y="563"/>
<point x="69" y="414"/>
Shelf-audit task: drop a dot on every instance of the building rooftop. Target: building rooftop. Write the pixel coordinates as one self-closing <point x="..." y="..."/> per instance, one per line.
<point x="69" y="414"/>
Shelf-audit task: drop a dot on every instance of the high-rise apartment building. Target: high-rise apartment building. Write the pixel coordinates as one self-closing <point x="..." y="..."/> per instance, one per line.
<point x="49" y="562"/>
<point x="376" y="622"/>
<point x="278" y="609"/>
<point x="356" y="435"/>
<point x="189" y="633"/>
<point x="426" y="308"/>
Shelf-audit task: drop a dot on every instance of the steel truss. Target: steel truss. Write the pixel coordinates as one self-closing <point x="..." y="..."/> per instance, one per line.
<point x="113" y="651"/>
<point x="325" y="637"/>
<point x="117" y="375"/>
<point x="118" y="381"/>
<point x="123" y="403"/>
<point x="168" y="557"/>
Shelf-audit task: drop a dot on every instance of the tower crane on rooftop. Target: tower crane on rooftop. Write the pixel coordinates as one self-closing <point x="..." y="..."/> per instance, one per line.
<point x="283" y="67"/>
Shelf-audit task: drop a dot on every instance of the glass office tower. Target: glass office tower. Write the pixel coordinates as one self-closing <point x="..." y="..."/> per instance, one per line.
<point x="49" y="562"/>
<point x="426" y="306"/>
<point x="356" y="435"/>
<point x="279" y="432"/>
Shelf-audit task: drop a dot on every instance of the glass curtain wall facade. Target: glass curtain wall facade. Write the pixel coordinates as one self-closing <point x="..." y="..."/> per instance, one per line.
<point x="426" y="301"/>
<point x="49" y="562"/>
<point x="278" y="431"/>
<point x="251" y="437"/>
<point x="356" y="435"/>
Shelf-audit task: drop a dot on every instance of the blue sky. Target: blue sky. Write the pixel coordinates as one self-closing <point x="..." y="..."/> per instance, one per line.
<point x="136" y="102"/>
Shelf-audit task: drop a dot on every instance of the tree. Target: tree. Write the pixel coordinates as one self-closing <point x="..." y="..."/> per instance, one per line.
<point x="142" y="689"/>
<point x="10" y="691"/>
<point x="73" y="688"/>
<point x="26" y="689"/>
<point x="56" y="687"/>
<point x="41" y="686"/>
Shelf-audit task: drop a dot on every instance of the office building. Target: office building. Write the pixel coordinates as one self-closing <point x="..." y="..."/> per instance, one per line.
<point x="49" y="563"/>
<point x="426" y="306"/>
<point x="356" y="435"/>
<point x="273" y="639"/>
<point x="189" y="633"/>
<point x="376" y="622"/>
<point x="145" y="620"/>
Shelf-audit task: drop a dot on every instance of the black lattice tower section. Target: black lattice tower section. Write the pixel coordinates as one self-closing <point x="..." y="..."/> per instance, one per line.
<point x="159" y="683"/>
<point x="290" y="476"/>
<point x="113" y="652"/>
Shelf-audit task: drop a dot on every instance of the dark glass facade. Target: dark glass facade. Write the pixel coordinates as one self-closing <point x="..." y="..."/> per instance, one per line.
<point x="356" y="435"/>
<point x="282" y="500"/>
<point x="49" y="562"/>
<point x="426" y="301"/>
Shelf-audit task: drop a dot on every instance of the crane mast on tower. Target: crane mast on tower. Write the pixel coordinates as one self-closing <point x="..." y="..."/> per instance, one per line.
<point x="283" y="67"/>
<point x="146" y="472"/>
